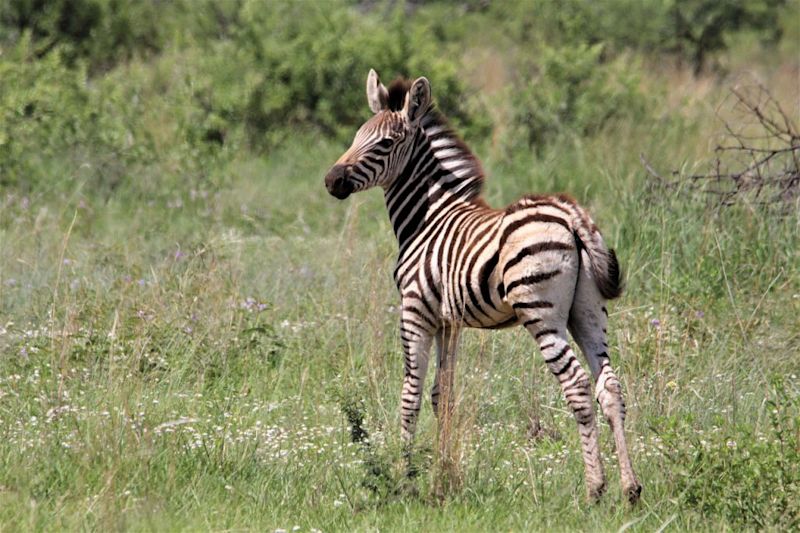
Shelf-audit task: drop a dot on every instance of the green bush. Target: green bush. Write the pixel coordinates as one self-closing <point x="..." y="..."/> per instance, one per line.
<point x="750" y="479"/>
<point x="702" y="27"/>
<point x="290" y="65"/>
<point x="117" y="88"/>
<point x="574" y="93"/>
<point x="694" y="30"/>
<point x="573" y="22"/>
<point x="101" y="32"/>
<point x="43" y="104"/>
<point x="267" y="69"/>
<point x="59" y="127"/>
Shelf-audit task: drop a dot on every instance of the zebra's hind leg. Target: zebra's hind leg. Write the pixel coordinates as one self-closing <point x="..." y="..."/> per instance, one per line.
<point x="446" y="352"/>
<point x="588" y="321"/>
<point x="551" y="336"/>
<point x="609" y="396"/>
<point x="588" y="327"/>
<point x="443" y="401"/>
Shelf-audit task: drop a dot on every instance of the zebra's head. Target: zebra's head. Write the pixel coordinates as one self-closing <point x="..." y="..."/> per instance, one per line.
<point x="383" y="144"/>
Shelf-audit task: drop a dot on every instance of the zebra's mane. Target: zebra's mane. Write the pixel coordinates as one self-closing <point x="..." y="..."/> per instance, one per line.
<point x="453" y="154"/>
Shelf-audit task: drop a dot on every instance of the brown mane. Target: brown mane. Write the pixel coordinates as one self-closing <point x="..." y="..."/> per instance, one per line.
<point x="438" y="129"/>
<point x="397" y="93"/>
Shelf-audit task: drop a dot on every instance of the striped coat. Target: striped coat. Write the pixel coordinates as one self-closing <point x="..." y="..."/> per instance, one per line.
<point x="540" y="263"/>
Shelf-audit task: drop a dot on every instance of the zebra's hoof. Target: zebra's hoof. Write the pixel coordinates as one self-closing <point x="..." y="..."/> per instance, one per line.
<point x="633" y="493"/>
<point x="594" y="493"/>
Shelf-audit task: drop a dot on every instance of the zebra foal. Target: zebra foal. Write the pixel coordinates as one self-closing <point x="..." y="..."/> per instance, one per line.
<point x="540" y="263"/>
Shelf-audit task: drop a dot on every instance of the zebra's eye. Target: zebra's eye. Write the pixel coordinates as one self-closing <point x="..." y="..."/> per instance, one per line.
<point x="386" y="142"/>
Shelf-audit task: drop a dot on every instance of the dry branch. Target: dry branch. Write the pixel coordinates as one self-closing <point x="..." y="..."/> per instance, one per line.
<point x="757" y="160"/>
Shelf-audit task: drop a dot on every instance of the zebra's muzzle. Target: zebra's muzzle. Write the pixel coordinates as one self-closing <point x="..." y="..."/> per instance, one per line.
<point x="337" y="181"/>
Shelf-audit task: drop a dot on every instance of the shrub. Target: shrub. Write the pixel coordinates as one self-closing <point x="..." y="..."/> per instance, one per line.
<point x="575" y="93"/>
<point x="59" y="127"/>
<point x="101" y="32"/>
<point x="752" y="480"/>
<point x="702" y="27"/>
<point x="43" y="104"/>
<point x="289" y="65"/>
<point x="573" y="22"/>
<point x="694" y="30"/>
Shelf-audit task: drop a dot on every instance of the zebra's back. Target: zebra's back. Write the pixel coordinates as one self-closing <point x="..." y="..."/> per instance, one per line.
<point x="480" y="262"/>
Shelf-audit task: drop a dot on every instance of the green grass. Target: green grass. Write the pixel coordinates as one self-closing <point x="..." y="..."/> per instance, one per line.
<point x="180" y="358"/>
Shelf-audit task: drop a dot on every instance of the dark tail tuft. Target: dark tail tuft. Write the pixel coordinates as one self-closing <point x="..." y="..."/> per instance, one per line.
<point x="602" y="260"/>
<point x="610" y="283"/>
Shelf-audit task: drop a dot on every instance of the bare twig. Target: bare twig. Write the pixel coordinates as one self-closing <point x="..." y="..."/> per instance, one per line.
<point x="757" y="160"/>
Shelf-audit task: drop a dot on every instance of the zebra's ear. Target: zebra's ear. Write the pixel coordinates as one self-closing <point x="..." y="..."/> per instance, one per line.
<point x="377" y="95"/>
<point x="418" y="99"/>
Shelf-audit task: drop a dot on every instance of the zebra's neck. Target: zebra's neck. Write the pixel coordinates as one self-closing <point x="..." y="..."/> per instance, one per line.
<point x="442" y="174"/>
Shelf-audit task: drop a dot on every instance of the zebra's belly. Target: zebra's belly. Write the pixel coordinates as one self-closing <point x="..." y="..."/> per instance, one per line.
<point x="509" y="321"/>
<point x="461" y="309"/>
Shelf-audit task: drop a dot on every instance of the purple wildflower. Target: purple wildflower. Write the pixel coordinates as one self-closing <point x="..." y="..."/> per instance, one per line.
<point x="251" y="304"/>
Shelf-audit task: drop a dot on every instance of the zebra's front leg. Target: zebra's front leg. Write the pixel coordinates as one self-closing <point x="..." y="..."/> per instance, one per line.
<point x="416" y="349"/>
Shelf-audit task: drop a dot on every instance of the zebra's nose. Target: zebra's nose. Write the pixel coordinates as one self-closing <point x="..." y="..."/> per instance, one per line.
<point x="337" y="183"/>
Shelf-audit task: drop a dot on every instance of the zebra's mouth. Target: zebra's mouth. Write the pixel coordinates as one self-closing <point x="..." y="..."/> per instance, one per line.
<point x="337" y="182"/>
<point x="340" y="194"/>
<point x="341" y="189"/>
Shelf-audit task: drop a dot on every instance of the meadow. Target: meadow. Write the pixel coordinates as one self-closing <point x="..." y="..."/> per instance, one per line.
<point x="195" y="336"/>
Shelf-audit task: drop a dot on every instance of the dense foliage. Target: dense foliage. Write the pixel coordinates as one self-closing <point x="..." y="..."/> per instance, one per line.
<point x="253" y="73"/>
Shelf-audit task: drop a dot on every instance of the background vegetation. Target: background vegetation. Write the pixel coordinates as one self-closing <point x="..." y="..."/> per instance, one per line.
<point x="194" y="335"/>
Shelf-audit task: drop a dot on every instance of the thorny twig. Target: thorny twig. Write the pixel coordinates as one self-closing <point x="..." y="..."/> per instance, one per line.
<point x="757" y="160"/>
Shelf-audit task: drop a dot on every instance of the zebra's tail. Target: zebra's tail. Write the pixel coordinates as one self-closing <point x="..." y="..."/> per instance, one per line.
<point x="602" y="260"/>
